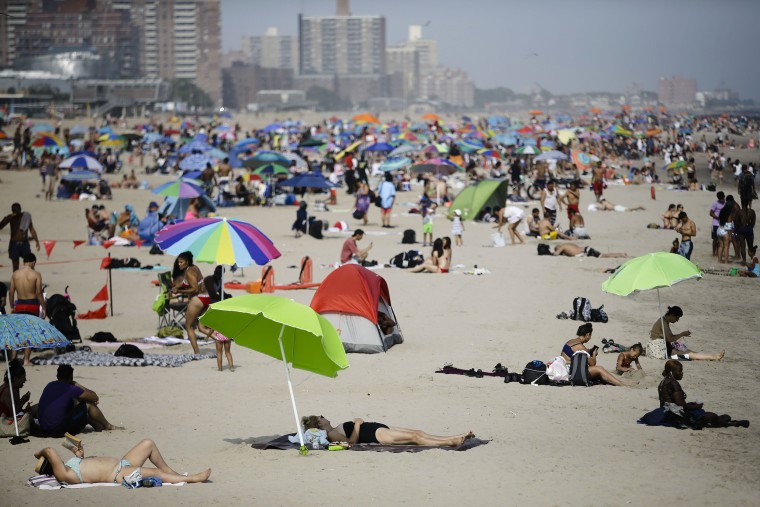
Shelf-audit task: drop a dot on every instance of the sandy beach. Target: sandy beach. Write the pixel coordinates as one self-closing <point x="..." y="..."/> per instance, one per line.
<point x="548" y="446"/>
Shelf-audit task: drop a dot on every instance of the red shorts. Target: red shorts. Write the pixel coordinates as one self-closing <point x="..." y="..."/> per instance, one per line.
<point x="206" y="300"/>
<point x="598" y="187"/>
<point x="572" y="207"/>
<point x="385" y="211"/>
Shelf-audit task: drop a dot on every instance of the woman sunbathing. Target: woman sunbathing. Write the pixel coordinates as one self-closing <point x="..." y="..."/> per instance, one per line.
<point x="125" y="471"/>
<point x="360" y="432"/>
<point x="576" y="344"/>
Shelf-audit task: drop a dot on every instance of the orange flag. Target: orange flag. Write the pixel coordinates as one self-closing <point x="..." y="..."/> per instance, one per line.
<point x="139" y="243"/>
<point x="102" y="295"/>
<point x="78" y="242"/>
<point x="105" y="263"/>
<point x="108" y="244"/>
<point x="49" y="245"/>
<point x="100" y="313"/>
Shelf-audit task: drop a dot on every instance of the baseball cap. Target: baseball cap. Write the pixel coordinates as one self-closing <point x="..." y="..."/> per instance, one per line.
<point x="153" y="204"/>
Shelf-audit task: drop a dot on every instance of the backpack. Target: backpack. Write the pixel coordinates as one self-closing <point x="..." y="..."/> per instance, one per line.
<point x="581" y="309"/>
<point x="599" y="315"/>
<point x="535" y="373"/>
<point x="579" y="368"/>
<point x="103" y="336"/>
<point x="62" y="315"/>
<point x="408" y="259"/>
<point x="543" y="249"/>
<point x="129" y="350"/>
<point x="410" y="237"/>
<point x="127" y="262"/>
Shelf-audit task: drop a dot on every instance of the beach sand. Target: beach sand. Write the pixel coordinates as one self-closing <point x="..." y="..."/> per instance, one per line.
<point x="548" y="446"/>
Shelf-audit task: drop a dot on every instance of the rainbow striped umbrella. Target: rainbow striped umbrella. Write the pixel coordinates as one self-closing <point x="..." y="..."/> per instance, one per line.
<point x="218" y="241"/>
<point x="179" y="188"/>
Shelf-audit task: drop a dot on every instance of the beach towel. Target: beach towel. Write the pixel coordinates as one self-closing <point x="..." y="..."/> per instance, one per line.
<point x="283" y="443"/>
<point x="472" y="372"/>
<point x="50" y="482"/>
<point x="662" y="416"/>
<point x="81" y="358"/>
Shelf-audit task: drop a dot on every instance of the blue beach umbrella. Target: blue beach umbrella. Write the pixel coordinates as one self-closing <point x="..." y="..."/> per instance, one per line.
<point x="195" y="162"/>
<point x="81" y="162"/>
<point x="82" y="175"/>
<point x="393" y="164"/>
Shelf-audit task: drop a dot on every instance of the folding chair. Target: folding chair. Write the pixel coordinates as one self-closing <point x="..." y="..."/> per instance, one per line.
<point x="173" y="311"/>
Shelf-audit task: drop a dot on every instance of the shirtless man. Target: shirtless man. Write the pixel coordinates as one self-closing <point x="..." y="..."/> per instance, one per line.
<point x="21" y="229"/>
<point x="25" y="295"/>
<point x="597" y="181"/>
<point x="573" y="250"/>
<point x="572" y="199"/>
<point x="577" y="225"/>
<point x="533" y="221"/>
<point x="546" y="230"/>
<point x="605" y="205"/>
<point x="688" y="230"/>
<point x="225" y="169"/>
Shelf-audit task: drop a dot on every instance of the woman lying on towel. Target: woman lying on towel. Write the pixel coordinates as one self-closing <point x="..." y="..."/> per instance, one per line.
<point x="127" y="471"/>
<point x="670" y="391"/>
<point x="360" y="432"/>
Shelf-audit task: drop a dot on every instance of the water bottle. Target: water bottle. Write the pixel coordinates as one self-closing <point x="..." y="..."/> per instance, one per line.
<point x="152" y="482"/>
<point x="315" y="444"/>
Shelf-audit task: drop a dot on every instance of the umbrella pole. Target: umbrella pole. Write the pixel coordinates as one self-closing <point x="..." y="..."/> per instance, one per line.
<point x="662" y="322"/>
<point x="292" y="396"/>
<point x="10" y="383"/>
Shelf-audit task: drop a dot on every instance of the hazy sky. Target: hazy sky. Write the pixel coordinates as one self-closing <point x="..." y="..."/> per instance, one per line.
<point x="581" y="45"/>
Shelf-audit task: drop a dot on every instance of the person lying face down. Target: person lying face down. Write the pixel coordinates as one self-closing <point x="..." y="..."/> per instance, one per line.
<point x="360" y="432"/>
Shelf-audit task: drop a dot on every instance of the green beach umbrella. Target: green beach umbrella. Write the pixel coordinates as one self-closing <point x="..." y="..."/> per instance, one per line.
<point x="282" y="329"/>
<point x="651" y="271"/>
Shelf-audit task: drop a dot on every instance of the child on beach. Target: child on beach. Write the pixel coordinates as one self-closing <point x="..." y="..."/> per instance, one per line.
<point x="222" y="344"/>
<point x="457" y="227"/>
<point x="427" y="208"/>
<point x="627" y="359"/>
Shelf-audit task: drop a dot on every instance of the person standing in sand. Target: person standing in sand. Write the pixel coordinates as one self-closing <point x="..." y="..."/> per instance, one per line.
<point x="513" y="216"/>
<point x="25" y="295"/>
<point x="688" y="230"/>
<point x="21" y="230"/>
<point x="572" y="199"/>
<point x="597" y="181"/>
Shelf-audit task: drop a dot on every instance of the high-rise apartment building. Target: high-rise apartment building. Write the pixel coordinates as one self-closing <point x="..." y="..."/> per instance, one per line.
<point x="17" y="11"/>
<point x="341" y="45"/>
<point x="407" y="62"/>
<point x="271" y="50"/>
<point x="677" y="91"/>
<point x="448" y="85"/>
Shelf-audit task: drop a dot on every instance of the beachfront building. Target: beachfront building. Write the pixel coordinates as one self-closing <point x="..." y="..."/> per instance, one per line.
<point x="677" y="91"/>
<point x="408" y="61"/>
<point x="242" y="82"/>
<point x="271" y="50"/>
<point x="343" y="53"/>
<point x="450" y="86"/>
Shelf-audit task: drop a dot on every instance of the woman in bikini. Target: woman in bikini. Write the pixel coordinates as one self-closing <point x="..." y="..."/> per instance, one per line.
<point x="434" y="262"/>
<point x="125" y="471"/>
<point x="188" y="283"/>
<point x="360" y="432"/>
<point x="578" y="344"/>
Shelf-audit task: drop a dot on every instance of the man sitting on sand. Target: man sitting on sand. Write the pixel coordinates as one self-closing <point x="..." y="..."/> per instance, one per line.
<point x="546" y="230"/>
<point x="533" y="221"/>
<point x="577" y="225"/>
<point x="127" y="471"/>
<point x="351" y="253"/>
<point x="67" y="407"/>
<point x="573" y="250"/>
<point x="605" y="205"/>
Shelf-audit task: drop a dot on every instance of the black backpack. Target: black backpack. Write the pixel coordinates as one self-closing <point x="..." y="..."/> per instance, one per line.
<point x="579" y="368"/>
<point x="129" y="350"/>
<point x="408" y="259"/>
<point x="62" y="314"/>
<point x="103" y="336"/>
<point x="544" y="249"/>
<point x="581" y="309"/>
<point x="599" y="315"/>
<point x="410" y="237"/>
<point x="535" y="373"/>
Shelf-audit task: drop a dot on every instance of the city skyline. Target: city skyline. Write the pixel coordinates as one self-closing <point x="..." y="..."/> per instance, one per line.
<point x="565" y="46"/>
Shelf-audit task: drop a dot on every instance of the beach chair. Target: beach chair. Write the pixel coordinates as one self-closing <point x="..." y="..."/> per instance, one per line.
<point x="172" y="311"/>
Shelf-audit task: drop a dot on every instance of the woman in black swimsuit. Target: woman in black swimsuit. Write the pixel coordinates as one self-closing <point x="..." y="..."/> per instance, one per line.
<point x="360" y="432"/>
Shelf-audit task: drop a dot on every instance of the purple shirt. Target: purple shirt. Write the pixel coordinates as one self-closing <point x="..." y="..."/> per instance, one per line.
<point x="55" y="402"/>
<point x="715" y="208"/>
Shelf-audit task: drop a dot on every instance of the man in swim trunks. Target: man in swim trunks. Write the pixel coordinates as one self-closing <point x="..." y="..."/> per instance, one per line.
<point x="25" y="295"/>
<point x="597" y="181"/>
<point x="572" y="199"/>
<point x="67" y="407"/>
<point x="573" y="250"/>
<point x="360" y="432"/>
<point x="21" y="230"/>
<point x="688" y="229"/>
<point x="546" y="229"/>
<point x="577" y="225"/>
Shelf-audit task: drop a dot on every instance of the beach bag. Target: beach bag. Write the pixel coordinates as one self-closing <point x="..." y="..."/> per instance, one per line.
<point x="378" y="201"/>
<point x="159" y="305"/>
<point x="543" y="249"/>
<point x="581" y="309"/>
<point x="129" y="350"/>
<point x="579" y="368"/>
<point x="358" y="215"/>
<point x="535" y="373"/>
<point x="128" y="262"/>
<point x="103" y="336"/>
<point x="315" y="229"/>
<point x="558" y="371"/>
<point x="599" y="315"/>
<point x="8" y="429"/>
<point x="410" y="237"/>
<point x="656" y="349"/>
<point x="498" y="240"/>
<point x="408" y="259"/>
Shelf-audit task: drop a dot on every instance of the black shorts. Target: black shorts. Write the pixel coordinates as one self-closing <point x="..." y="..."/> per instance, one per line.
<point x="73" y="422"/>
<point x="18" y="249"/>
<point x="714" y="232"/>
<point x="590" y="252"/>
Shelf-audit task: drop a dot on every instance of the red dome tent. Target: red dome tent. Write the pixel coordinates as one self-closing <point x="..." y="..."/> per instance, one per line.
<point x="350" y="298"/>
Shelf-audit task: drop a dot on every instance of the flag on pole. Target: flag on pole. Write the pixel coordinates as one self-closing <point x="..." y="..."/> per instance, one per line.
<point x="102" y="295"/>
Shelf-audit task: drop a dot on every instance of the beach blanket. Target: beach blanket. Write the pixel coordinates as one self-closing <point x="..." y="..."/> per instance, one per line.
<point x="80" y="358"/>
<point x="660" y="417"/>
<point x="50" y="482"/>
<point x="283" y="443"/>
<point x="472" y="372"/>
